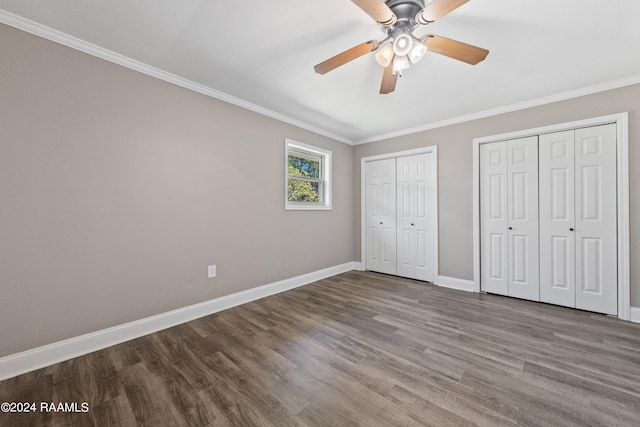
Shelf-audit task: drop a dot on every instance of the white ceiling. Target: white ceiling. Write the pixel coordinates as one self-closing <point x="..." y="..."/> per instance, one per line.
<point x="263" y="52"/>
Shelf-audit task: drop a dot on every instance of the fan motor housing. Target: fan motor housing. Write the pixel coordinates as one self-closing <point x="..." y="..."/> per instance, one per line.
<point x="405" y="9"/>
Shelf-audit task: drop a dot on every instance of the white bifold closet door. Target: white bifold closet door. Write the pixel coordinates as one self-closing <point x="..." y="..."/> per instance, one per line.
<point x="400" y="216"/>
<point x="509" y="218"/>
<point x="578" y="219"/>
<point x="416" y="187"/>
<point x="557" y="219"/>
<point x="380" y="216"/>
<point x="493" y="218"/>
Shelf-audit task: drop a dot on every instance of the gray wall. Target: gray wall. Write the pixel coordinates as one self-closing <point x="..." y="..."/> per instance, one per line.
<point x="455" y="158"/>
<point x="118" y="189"/>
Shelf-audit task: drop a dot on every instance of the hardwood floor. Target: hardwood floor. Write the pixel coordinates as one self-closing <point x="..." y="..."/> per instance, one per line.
<point x="356" y="349"/>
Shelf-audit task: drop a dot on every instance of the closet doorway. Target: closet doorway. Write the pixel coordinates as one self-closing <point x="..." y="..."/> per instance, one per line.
<point x="551" y="215"/>
<point x="399" y="213"/>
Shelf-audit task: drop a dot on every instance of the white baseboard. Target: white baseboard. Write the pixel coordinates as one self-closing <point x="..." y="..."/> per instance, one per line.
<point x="635" y="314"/>
<point x="358" y="266"/>
<point x="454" y="283"/>
<point x="40" y="357"/>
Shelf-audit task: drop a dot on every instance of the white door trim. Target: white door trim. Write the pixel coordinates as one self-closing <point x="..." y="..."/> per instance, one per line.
<point x="622" y="140"/>
<point x="363" y="233"/>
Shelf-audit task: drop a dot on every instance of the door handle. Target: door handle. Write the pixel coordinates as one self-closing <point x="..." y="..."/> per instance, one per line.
<point x="380" y="222"/>
<point x="412" y="224"/>
<point x="571" y="229"/>
<point x="510" y="228"/>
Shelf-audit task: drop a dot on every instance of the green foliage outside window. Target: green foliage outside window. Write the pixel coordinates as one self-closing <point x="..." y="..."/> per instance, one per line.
<point x="307" y="188"/>
<point x="303" y="167"/>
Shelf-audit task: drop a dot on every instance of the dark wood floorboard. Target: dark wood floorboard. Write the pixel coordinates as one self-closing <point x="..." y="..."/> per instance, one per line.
<point x="357" y="349"/>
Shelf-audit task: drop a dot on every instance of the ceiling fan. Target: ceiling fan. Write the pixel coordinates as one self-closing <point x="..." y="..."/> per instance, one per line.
<point x="398" y="19"/>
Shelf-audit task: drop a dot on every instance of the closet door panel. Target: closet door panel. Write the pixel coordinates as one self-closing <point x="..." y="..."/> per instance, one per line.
<point x="426" y="218"/>
<point x="406" y="207"/>
<point x="557" y="241"/>
<point x="522" y="207"/>
<point x="380" y="216"/>
<point x="416" y="216"/>
<point x="493" y="218"/>
<point x="596" y="219"/>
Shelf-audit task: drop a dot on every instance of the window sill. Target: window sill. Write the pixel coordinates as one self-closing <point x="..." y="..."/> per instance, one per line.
<point x="293" y="207"/>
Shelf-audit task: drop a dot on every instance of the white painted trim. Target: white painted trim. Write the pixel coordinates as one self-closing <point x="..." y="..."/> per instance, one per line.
<point x="108" y="55"/>
<point x="624" y="231"/>
<point x="363" y="175"/>
<point x="30" y="360"/>
<point x="635" y="314"/>
<point x="358" y="266"/>
<point x="436" y="250"/>
<point x="559" y="127"/>
<point x="589" y="90"/>
<point x="476" y="216"/>
<point x="363" y="205"/>
<point x="405" y="153"/>
<point x="622" y="124"/>
<point x="454" y="283"/>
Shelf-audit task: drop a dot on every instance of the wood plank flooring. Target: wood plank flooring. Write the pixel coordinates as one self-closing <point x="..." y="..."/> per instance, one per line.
<point x="357" y="349"/>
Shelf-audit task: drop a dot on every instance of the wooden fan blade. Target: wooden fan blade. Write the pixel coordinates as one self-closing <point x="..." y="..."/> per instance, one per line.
<point x="437" y="9"/>
<point x="455" y="49"/>
<point x="378" y="10"/>
<point x="346" y="56"/>
<point x="388" y="80"/>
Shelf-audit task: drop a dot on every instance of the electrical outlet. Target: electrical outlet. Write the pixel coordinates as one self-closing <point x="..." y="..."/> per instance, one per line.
<point x="211" y="271"/>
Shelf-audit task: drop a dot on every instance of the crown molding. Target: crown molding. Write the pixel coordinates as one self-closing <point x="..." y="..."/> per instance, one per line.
<point x="59" y="37"/>
<point x="56" y="36"/>
<point x="589" y="90"/>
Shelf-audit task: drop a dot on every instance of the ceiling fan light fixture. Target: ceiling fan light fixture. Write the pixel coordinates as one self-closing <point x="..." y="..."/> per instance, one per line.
<point x="398" y="19"/>
<point x="417" y="52"/>
<point x="384" y="56"/>
<point x="400" y="63"/>
<point x="403" y="44"/>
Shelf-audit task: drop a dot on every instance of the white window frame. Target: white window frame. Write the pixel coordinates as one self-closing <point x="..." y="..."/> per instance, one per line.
<point x="324" y="186"/>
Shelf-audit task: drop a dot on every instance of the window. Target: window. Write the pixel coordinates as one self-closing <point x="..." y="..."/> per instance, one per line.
<point x="308" y="177"/>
